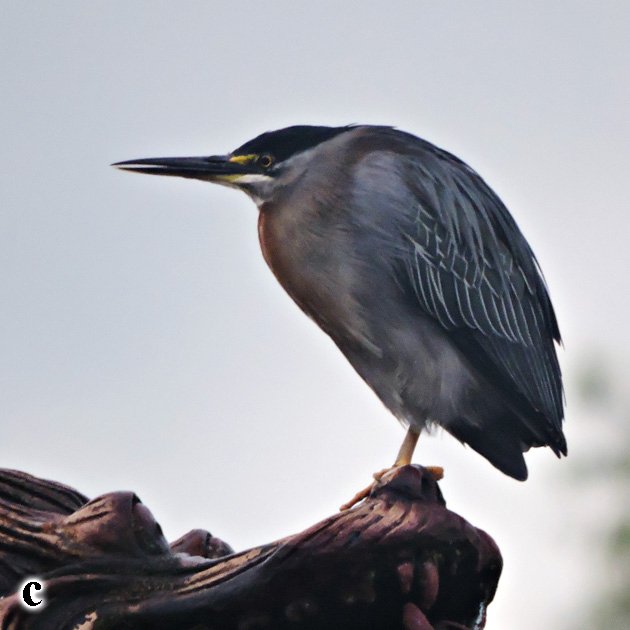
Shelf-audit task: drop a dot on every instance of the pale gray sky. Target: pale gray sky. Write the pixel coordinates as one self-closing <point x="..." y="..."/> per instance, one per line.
<point x="144" y="344"/>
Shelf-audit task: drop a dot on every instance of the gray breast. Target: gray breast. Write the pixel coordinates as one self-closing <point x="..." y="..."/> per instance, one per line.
<point x="326" y="255"/>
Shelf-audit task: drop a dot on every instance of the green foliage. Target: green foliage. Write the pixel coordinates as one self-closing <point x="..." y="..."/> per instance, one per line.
<point x="610" y="609"/>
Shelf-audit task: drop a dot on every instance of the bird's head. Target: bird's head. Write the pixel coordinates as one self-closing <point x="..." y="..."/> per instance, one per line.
<point x="256" y="167"/>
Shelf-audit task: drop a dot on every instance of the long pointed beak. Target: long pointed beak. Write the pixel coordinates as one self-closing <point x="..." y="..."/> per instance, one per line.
<point x="212" y="168"/>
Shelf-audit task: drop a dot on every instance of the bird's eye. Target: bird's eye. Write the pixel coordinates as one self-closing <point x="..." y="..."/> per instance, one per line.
<point x="265" y="160"/>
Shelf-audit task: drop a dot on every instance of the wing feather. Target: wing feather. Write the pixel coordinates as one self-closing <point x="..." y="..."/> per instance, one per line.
<point x="469" y="267"/>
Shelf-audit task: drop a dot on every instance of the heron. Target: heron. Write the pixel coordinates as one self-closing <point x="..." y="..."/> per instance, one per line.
<point x="417" y="271"/>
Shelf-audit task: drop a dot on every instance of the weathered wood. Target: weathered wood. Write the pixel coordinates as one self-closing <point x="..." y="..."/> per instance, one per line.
<point x="400" y="559"/>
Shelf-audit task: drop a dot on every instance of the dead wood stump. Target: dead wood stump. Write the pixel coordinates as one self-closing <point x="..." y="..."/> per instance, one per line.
<point x="399" y="559"/>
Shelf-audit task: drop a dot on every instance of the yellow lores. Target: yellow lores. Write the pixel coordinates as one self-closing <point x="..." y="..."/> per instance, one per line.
<point x="244" y="159"/>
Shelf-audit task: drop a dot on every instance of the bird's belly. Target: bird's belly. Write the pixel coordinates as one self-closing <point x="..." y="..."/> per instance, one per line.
<point x="419" y="375"/>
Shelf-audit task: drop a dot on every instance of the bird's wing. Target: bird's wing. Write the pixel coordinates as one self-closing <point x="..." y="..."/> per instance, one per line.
<point x="469" y="267"/>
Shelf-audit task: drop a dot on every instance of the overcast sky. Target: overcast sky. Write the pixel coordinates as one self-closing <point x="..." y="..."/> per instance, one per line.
<point x="143" y="342"/>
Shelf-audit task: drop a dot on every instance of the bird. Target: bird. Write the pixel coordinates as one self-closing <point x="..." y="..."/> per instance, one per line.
<point x="416" y="270"/>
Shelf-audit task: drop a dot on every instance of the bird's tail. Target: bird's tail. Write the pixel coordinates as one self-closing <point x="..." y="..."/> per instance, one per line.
<point x="498" y="440"/>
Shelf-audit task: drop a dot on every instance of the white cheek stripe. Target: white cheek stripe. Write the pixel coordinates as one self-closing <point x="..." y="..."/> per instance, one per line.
<point x="252" y="178"/>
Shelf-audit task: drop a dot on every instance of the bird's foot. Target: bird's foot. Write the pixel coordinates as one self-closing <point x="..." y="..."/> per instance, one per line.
<point x="436" y="471"/>
<point x="365" y="492"/>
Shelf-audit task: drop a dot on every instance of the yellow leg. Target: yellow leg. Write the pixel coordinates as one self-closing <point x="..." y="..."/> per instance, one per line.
<point x="407" y="448"/>
<point x="406" y="452"/>
<point x="403" y="458"/>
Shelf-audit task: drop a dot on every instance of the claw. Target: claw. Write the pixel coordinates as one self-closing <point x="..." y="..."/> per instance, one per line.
<point x="436" y="471"/>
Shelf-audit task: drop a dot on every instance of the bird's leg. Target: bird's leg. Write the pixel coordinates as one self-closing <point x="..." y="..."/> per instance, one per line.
<point x="403" y="458"/>
<point x="406" y="453"/>
<point x="407" y="448"/>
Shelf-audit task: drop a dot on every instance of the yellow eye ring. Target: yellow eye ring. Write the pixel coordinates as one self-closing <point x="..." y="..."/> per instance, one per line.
<point x="265" y="160"/>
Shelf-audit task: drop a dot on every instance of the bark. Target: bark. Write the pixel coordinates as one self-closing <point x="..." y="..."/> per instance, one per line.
<point x="399" y="559"/>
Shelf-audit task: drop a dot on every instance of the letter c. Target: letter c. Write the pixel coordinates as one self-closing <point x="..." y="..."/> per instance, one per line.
<point x="26" y="594"/>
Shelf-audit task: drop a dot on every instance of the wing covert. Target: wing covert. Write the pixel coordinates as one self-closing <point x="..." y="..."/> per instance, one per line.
<point x="469" y="267"/>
